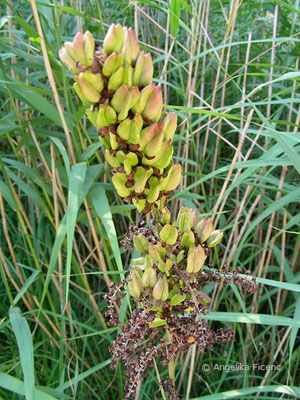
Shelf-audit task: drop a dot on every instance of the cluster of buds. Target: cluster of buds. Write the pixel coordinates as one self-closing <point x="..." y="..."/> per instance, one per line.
<point x="127" y="109"/>
<point x="173" y="255"/>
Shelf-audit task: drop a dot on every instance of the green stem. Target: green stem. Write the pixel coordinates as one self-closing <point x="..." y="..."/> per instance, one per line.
<point x="159" y="380"/>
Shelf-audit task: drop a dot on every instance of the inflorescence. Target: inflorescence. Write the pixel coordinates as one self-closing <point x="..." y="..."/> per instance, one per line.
<point x="126" y="108"/>
<point x="167" y="283"/>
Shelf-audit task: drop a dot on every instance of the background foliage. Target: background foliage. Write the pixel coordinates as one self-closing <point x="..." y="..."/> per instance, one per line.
<point x="231" y="71"/>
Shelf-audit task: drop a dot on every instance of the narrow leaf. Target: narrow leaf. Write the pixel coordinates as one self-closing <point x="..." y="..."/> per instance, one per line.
<point x="77" y="177"/>
<point x="26" y="285"/>
<point x="175" y="9"/>
<point x="103" y="210"/>
<point x="24" y="340"/>
<point x="14" y="385"/>
<point x="231" y="394"/>
<point x="261" y="319"/>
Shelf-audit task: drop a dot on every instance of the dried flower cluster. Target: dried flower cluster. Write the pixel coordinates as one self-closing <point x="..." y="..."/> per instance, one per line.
<point x="167" y="282"/>
<point x="145" y="338"/>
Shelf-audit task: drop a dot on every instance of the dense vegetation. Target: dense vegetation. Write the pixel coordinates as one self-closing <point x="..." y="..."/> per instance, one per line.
<point x="230" y="70"/>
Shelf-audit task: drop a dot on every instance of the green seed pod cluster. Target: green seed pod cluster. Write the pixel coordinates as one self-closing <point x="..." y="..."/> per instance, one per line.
<point x="166" y="281"/>
<point x="126" y="108"/>
<point x="172" y="253"/>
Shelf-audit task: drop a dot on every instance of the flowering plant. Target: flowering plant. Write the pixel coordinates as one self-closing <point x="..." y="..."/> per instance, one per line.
<point x="167" y="282"/>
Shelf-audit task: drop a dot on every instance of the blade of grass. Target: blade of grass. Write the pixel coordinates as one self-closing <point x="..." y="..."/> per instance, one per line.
<point x="84" y="375"/>
<point x="15" y="385"/>
<point x="26" y="285"/>
<point x="294" y="332"/>
<point x="102" y="208"/>
<point x="24" y="340"/>
<point x="175" y="9"/>
<point x="278" y="205"/>
<point x="231" y="394"/>
<point x="77" y="178"/>
<point x="261" y="319"/>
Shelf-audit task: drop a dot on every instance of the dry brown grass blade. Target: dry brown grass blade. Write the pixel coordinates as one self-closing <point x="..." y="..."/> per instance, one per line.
<point x="233" y="163"/>
<point x="191" y="372"/>
<point x="228" y="32"/>
<point x="195" y="42"/>
<point x="234" y="246"/>
<point x="8" y="241"/>
<point x="52" y="81"/>
<point x="185" y="365"/>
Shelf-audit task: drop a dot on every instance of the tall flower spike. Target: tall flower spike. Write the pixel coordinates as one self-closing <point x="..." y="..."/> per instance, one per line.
<point x="127" y="111"/>
<point x="166" y="280"/>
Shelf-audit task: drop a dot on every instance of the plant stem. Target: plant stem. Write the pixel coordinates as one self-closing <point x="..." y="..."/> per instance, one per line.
<point x="171" y="368"/>
<point x="159" y="380"/>
<point x="171" y="364"/>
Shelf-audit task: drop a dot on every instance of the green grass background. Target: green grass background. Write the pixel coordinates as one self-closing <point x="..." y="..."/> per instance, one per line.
<point x="230" y="69"/>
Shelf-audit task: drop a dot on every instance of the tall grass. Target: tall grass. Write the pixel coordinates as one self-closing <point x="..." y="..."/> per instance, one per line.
<point x="231" y="72"/>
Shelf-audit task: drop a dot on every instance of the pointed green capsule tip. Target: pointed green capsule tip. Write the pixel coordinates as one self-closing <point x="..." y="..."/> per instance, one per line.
<point x="169" y="234"/>
<point x="140" y="204"/>
<point x="69" y="62"/>
<point x="135" y="285"/>
<point x="215" y="238"/>
<point x="90" y="93"/>
<point x="165" y="216"/>
<point x="170" y="125"/>
<point x="184" y="220"/>
<point x="114" y="39"/>
<point x="149" y="278"/>
<point x="204" y="229"/>
<point x="154" y="105"/>
<point x="188" y="240"/>
<point x="89" y="48"/>
<point x="161" y="290"/>
<point x="140" y="243"/>
<point x="78" y="48"/>
<point x="131" y="47"/>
